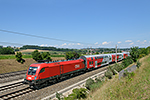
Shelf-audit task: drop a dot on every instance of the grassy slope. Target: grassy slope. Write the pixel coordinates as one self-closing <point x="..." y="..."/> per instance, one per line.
<point x="126" y="89"/>
<point x="11" y="65"/>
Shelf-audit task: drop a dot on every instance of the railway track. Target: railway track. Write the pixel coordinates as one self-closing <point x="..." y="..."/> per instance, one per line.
<point x="6" y="75"/>
<point x="9" y="87"/>
<point x="16" y="93"/>
<point x="14" y="90"/>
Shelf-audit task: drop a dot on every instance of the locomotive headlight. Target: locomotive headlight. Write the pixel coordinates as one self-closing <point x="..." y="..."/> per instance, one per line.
<point x="35" y="78"/>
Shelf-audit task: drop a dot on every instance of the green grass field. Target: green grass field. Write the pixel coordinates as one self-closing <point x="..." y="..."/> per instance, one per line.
<point x="136" y="87"/>
<point x="24" y="56"/>
<point x="7" y="56"/>
<point x="13" y="56"/>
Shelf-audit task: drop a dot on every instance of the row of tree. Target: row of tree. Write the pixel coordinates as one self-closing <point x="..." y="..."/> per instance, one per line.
<point x="38" y="56"/>
<point x="6" y="50"/>
<point x="137" y="52"/>
<point x="46" y="48"/>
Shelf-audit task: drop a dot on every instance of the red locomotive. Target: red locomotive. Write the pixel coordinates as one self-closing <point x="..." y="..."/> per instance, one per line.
<point x="39" y="73"/>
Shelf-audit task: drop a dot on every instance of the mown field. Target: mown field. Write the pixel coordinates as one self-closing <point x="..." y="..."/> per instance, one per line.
<point x="135" y="87"/>
<point x="11" y="65"/>
<point x="29" y="51"/>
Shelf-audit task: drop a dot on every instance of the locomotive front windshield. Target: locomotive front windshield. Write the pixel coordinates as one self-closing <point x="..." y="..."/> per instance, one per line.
<point x="32" y="70"/>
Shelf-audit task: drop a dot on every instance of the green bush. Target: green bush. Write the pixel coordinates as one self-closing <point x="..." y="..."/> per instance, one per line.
<point x="138" y="64"/>
<point x="59" y="96"/>
<point x="118" y="67"/>
<point x="134" y="52"/>
<point x="77" y="94"/>
<point x="112" y="69"/>
<point x="109" y="74"/>
<point x="126" y="62"/>
<point x="19" y="57"/>
<point x="98" y="79"/>
<point x="141" y="55"/>
<point x="96" y="85"/>
<point x="88" y="83"/>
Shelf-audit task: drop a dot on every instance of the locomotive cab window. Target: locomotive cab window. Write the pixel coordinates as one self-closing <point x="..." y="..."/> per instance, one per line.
<point x="42" y="70"/>
<point x="32" y="70"/>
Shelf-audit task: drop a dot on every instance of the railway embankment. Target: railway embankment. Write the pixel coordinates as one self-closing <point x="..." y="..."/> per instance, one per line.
<point x="134" y="86"/>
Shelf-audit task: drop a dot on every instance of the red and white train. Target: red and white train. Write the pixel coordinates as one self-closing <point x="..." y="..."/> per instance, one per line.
<point x="39" y="73"/>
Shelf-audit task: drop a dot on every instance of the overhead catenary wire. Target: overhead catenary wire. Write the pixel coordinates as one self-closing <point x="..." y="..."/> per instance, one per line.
<point x="10" y="43"/>
<point x="43" y="37"/>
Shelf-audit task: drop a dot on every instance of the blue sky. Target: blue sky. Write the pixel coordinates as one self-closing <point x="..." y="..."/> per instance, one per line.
<point x="87" y="23"/>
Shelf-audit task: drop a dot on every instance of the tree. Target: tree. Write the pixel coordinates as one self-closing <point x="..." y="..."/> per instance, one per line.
<point x="46" y="56"/>
<point x="72" y="55"/>
<point x="36" y="55"/>
<point x="97" y="53"/>
<point x="41" y="56"/>
<point x="126" y="62"/>
<point x="7" y="50"/>
<point x="134" y="52"/>
<point x="1" y="47"/>
<point x="19" y="57"/>
<point x="144" y="51"/>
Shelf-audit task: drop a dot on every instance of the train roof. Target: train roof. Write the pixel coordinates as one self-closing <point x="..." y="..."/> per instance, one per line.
<point x="88" y="56"/>
<point x="100" y="55"/>
<point x="55" y="63"/>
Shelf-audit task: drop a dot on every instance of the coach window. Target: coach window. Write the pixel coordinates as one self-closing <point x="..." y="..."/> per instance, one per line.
<point x="110" y="58"/>
<point x="91" y="58"/>
<point x="89" y="62"/>
<point x="42" y="70"/>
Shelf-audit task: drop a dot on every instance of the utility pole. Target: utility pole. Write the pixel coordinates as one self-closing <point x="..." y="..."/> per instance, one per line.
<point x="116" y="54"/>
<point x="91" y="50"/>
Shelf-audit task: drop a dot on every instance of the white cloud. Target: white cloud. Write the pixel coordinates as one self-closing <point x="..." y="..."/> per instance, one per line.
<point x="64" y="44"/>
<point x="104" y="43"/>
<point x="71" y="44"/>
<point x="78" y="44"/>
<point x="119" y="42"/>
<point x="96" y="43"/>
<point x="128" y="41"/>
<point x="131" y="43"/>
<point x="145" y="41"/>
<point x="43" y="45"/>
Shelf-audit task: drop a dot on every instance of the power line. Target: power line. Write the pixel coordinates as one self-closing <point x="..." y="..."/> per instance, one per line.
<point x="11" y="43"/>
<point x="42" y="37"/>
